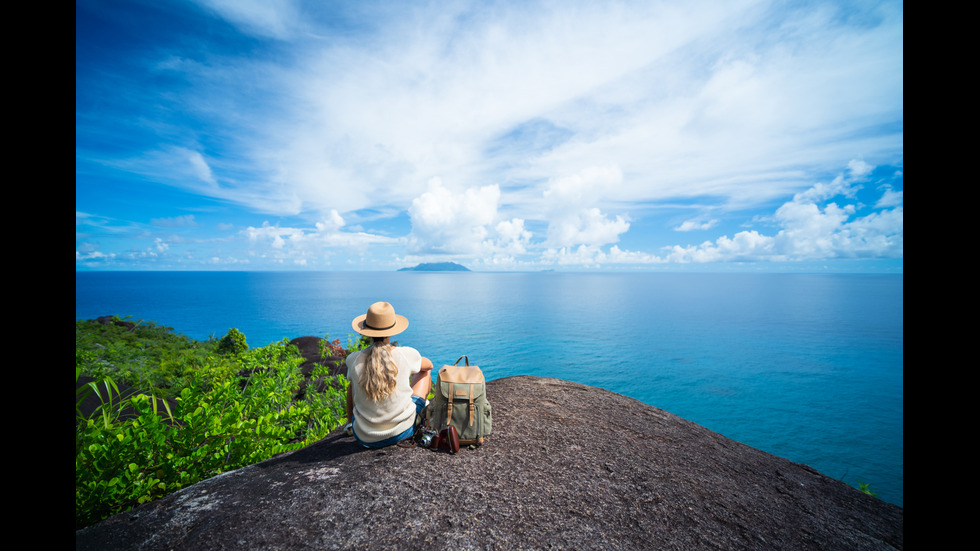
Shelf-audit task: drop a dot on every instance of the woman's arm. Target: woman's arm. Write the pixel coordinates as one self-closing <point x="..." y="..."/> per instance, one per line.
<point x="350" y="404"/>
<point x="422" y="381"/>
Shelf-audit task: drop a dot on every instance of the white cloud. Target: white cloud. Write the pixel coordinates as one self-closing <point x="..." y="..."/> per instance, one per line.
<point x="890" y="198"/>
<point x="859" y="169"/>
<point x="587" y="227"/>
<point x="822" y="192"/>
<point x="699" y="98"/>
<point x="513" y="238"/>
<point x="444" y="221"/>
<point x="811" y="231"/>
<point x="745" y="246"/>
<point x="265" y="18"/>
<point x="199" y="166"/>
<point x="582" y="255"/>
<point x="810" y="228"/>
<point x="572" y="220"/>
<point x="332" y="222"/>
<point x="555" y="123"/>
<point x="587" y="187"/>
<point x="307" y="245"/>
<point x="89" y="252"/>
<point x="696" y="224"/>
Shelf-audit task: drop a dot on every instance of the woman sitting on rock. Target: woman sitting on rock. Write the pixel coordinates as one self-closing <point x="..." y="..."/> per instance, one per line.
<point x="388" y="384"/>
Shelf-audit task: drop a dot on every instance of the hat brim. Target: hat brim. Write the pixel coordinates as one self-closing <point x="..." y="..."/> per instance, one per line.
<point x="401" y="324"/>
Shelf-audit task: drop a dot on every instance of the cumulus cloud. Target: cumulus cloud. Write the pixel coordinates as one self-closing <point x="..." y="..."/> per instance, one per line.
<point x="572" y="220"/>
<point x="592" y="256"/>
<point x="444" y="221"/>
<point x="744" y="246"/>
<point x="333" y="222"/>
<point x="512" y="237"/>
<point x="582" y="255"/>
<point x="812" y="229"/>
<point x="586" y="227"/>
<point x="89" y="253"/>
<point x="824" y="221"/>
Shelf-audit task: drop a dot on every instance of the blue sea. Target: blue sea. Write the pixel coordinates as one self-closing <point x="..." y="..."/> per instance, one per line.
<point x="805" y="366"/>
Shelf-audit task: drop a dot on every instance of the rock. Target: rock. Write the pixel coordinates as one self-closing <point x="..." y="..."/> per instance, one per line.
<point x="567" y="467"/>
<point x="309" y="347"/>
<point x="112" y="320"/>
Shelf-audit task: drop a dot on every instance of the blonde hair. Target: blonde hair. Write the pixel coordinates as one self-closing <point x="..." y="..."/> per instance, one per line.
<point x="378" y="379"/>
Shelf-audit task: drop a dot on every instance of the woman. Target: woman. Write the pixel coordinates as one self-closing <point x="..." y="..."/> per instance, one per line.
<point x="388" y="384"/>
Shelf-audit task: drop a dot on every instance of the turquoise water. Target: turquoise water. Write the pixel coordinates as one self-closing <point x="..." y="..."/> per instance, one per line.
<point x="807" y="367"/>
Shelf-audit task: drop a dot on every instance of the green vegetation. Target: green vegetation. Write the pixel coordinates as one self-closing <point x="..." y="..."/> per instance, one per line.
<point x="866" y="488"/>
<point x="200" y="409"/>
<point x="233" y="342"/>
<point x="148" y="357"/>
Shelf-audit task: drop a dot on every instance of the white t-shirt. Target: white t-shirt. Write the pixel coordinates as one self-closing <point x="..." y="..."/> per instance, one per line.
<point x="375" y="421"/>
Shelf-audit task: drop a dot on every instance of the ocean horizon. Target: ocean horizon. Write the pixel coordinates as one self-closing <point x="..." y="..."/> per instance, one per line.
<point x="809" y="367"/>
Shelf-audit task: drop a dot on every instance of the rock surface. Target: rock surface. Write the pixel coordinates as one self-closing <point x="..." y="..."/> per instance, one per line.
<point x="567" y="467"/>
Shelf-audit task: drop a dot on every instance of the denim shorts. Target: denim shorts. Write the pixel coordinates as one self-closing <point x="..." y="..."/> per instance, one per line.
<point x="419" y="404"/>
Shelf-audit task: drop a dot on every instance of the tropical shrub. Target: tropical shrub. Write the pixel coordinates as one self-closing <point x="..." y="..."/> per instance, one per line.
<point x="232" y="410"/>
<point x="233" y="342"/>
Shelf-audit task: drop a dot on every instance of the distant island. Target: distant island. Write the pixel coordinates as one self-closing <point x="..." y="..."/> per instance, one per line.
<point x="437" y="267"/>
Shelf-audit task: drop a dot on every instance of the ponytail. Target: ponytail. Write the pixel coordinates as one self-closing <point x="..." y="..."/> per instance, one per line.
<point x="379" y="370"/>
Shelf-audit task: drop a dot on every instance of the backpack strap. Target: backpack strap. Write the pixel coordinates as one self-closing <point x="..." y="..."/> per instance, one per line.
<point x="449" y="404"/>
<point x="467" y="360"/>
<point x="472" y="406"/>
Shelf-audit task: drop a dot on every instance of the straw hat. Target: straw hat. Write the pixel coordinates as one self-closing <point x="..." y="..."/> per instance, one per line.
<point x="380" y="321"/>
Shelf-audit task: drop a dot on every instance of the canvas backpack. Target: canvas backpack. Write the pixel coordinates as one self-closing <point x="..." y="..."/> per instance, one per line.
<point x="461" y="400"/>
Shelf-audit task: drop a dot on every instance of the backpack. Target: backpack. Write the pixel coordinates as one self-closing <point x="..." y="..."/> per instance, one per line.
<point x="461" y="400"/>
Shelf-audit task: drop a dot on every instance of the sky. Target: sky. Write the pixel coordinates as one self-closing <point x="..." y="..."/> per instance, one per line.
<point x="693" y="135"/>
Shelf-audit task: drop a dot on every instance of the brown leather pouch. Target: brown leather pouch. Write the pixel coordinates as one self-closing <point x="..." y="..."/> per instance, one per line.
<point x="448" y="439"/>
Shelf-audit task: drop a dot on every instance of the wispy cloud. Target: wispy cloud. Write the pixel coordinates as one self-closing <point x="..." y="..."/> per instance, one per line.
<point x="186" y="220"/>
<point x="696" y="224"/>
